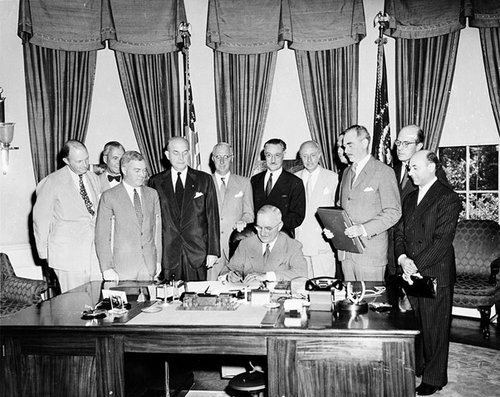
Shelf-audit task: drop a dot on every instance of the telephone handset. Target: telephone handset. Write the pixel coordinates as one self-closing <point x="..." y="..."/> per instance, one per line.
<point x="324" y="284"/>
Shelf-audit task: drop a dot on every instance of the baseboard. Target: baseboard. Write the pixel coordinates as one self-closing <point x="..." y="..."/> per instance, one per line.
<point x="22" y="261"/>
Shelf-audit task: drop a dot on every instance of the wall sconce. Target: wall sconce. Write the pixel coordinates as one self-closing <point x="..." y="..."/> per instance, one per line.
<point x="6" y="136"/>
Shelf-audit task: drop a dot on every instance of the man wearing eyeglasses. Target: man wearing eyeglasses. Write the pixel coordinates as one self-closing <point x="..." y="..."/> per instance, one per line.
<point x="268" y="256"/>
<point x="234" y="196"/>
<point x="279" y="188"/>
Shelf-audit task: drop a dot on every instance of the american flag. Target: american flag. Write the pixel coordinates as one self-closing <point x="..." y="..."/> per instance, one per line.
<point x="381" y="148"/>
<point x="189" y="118"/>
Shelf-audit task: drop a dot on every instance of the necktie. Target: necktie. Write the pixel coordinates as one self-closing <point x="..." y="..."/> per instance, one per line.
<point x="85" y="196"/>
<point x="309" y="185"/>
<point x="267" y="252"/>
<point x="179" y="190"/>
<point x="223" y="188"/>
<point x="353" y="173"/>
<point x="138" y="207"/>
<point x="269" y="184"/>
<point x="404" y="173"/>
<point x="117" y="178"/>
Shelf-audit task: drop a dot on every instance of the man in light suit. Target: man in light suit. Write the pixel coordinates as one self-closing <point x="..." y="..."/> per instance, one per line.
<point x="424" y="246"/>
<point x="268" y="256"/>
<point x="190" y="216"/>
<point x="369" y="194"/>
<point x="234" y="196"/>
<point x="279" y="188"/>
<point x="111" y="155"/>
<point x="64" y="218"/>
<point x="128" y="227"/>
<point x="320" y="187"/>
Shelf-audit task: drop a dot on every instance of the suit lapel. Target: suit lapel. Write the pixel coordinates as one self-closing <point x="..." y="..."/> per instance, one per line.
<point x="231" y="189"/>
<point x="189" y="192"/>
<point x="430" y="197"/>
<point x="219" y="198"/>
<point x="128" y="204"/>
<point x="364" y="176"/>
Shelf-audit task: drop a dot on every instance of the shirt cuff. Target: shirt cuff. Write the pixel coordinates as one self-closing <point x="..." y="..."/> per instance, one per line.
<point x="401" y="257"/>
<point x="270" y="276"/>
<point x="364" y="231"/>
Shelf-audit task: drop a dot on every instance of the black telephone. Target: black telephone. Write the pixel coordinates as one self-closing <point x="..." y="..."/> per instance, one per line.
<point x="324" y="284"/>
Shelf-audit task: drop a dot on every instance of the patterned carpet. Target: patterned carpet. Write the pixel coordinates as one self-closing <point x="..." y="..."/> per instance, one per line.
<point x="472" y="371"/>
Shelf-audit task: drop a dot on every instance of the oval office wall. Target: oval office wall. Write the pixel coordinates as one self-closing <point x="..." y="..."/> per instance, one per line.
<point x="469" y="119"/>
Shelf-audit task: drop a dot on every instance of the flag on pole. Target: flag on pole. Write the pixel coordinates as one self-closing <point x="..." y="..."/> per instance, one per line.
<point x="381" y="148"/>
<point x="189" y="118"/>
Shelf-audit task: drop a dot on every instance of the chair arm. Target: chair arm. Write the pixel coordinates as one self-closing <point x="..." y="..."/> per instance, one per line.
<point x="23" y="290"/>
<point x="495" y="268"/>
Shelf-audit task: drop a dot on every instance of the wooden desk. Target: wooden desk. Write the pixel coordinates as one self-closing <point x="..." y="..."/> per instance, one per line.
<point x="49" y="350"/>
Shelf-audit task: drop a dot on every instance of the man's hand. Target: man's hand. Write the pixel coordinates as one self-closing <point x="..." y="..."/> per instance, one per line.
<point x="110" y="275"/>
<point x="252" y="277"/>
<point x="211" y="259"/>
<point x="328" y="233"/>
<point x="234" y="277"/>
<point x="240" y="225"/>
<point x="354" y="231"/>
<point x="408" y="266"/>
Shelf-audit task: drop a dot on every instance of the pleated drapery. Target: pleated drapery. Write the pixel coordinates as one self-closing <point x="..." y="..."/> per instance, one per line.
<point x="243" y="85"/>
<point x="150" y="84"/>
<point x="59" y="87"/>
<point x="329" y="85"/>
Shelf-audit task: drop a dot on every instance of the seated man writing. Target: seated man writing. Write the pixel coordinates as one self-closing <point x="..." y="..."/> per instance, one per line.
<point x="268" y="256"/>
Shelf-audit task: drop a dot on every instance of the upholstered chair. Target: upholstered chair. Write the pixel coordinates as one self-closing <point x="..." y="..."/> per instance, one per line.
<point x="477" y="252"/>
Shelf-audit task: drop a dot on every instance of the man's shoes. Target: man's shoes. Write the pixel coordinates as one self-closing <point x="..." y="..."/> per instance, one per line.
<point x="426" y="390"/>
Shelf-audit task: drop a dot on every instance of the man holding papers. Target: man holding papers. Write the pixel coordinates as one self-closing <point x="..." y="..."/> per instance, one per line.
<point x="270" y="255"/>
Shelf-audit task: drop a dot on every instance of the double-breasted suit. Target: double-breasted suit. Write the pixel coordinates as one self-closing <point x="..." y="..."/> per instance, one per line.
<point x="124" y="244"/>
<point x="190" y="234"/>
<point x="425" y="234"/>
<point x="372" y="201"/>
<point x="235" y="206"/>
<point x="63" y="227"/>
<point x="287" y="194"/>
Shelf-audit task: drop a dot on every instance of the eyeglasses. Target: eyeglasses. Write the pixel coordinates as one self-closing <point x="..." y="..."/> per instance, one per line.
<point x="225" y="157"/>
<point x="404" y="144"/>
<point x="268" y="229"/>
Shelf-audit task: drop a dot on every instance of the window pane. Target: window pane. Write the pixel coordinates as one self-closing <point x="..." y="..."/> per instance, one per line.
<point x="483" y="168"/>
<point x="454" y="163"/>
<point x="462" y="215"/>
<point x="484" y="206"/>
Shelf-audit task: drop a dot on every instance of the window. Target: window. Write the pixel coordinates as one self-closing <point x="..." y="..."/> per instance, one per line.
<point x="473" y="173"/>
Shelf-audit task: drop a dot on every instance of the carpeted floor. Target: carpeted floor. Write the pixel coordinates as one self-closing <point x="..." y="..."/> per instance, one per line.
<point x="472" y="371"/>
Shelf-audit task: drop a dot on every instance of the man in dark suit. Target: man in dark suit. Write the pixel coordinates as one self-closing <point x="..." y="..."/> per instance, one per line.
<point x="424" y="245"/>
<point x="128" y="226"/>
<point x="279" y="188"/>
<point x="190" y="217"/>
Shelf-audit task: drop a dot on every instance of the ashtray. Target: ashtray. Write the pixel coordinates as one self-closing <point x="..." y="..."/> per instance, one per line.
<point x="152" y="309"/>
<point x="93" y="314"/>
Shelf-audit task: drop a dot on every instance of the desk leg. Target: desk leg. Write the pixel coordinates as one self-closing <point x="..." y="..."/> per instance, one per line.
<point x="110" y="367"/>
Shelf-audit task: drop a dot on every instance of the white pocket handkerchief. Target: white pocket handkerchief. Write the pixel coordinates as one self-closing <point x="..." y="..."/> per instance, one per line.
<point x="198" y="194"/>
<point x="240" y="194"/>
<point x="368" y="189"/>
<point x="326" y="191"/>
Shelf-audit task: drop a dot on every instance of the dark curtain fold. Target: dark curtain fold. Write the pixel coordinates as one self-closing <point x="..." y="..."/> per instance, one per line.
<point x="424" y="75"/>
<point x="329" y="85"/>
<point x="242" y="93"/>
<point x="59" y="87"/>
<point x="150" y="85"/>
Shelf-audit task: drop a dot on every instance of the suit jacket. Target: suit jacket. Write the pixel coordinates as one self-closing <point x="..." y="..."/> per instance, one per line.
<point x="287" y="194"/>
<point x="188" y="236"/>
<point x="63" y="227"/>
<point x="237" y="206"/>
<point x="122" y="243"/>
<point x="426" y="232"/>
<point x="104" y="182"/>
<point x="310" y="232"/>
<point x="286" y="258"/>
<point x="373" y="201"/>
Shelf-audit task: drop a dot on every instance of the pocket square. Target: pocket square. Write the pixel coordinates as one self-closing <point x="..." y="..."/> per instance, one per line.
<point x="368" y="189"/>
<point x="198" y="194"/>
<point x="240" y="194"/>
<point x="326" y="191"/>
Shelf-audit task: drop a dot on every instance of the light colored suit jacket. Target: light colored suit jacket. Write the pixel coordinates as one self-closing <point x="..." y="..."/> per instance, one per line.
<point x="310" y="232"/>
<point x="286" y="258"/>
<point x="237" y="206"/>
<point x="374" y="202"/>
<point x="121" y="242"/>
<point x="103" y="181"/>
<point x="63" y="227"/>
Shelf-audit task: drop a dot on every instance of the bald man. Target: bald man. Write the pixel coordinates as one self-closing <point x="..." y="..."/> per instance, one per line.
<point x="64" y="218"/>
<point x="190" y="216"/>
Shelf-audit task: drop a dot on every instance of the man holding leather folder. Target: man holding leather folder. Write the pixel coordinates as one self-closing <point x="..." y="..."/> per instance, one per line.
<point x="424" y="248"/>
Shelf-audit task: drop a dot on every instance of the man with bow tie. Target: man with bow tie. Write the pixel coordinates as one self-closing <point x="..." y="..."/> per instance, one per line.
<point x="111" y="155"/>
<point x="190" y="216"/>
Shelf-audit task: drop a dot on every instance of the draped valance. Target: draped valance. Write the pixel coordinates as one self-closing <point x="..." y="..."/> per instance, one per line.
<point x="257" y="26"/>
<point x="139" y="27"/>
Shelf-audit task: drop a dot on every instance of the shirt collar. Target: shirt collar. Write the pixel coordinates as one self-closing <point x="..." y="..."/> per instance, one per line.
<point x="361" y="163"/>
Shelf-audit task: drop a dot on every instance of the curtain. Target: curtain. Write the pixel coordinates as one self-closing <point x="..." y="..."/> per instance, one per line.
<point x="59" y="87"/>
<point x="150" y="84"/>
<point x="242" y="91"/>
<point x="424" y="75"/>
<point x="329" y="85"/>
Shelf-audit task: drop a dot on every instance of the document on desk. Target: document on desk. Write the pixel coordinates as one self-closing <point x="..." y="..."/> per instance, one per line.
<point x="213" y="287"/>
